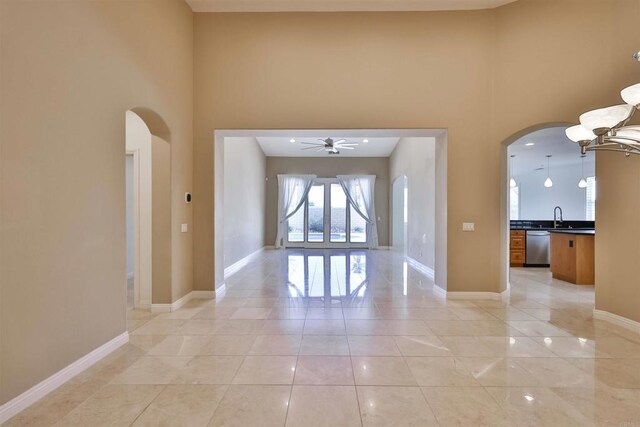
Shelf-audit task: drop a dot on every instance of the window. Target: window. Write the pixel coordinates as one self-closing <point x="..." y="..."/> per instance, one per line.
<point x="591" y="199"/>
<point x="358" y="229"/>
<point x="295" y="232"/>
<point x="315" y="222"/>
<point x="514" y="203"/>
<point x="326" y="219"/>
<point x="338" y="214"/>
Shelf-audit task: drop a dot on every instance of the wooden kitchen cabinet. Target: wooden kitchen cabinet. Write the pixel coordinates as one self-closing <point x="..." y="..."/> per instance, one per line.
<point x="573" y="258"/>
<point x="517" y="248"/>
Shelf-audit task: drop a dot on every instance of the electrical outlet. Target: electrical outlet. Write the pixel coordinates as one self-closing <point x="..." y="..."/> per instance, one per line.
<point x="184" y="228"/>
<point x="468" y="226"/>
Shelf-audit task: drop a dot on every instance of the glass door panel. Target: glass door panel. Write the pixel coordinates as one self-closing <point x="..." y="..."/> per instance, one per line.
<point x="326" y="219"/>
<point x="296" y="227"/>
<point x="358" y="229"/>
<point x="316" y="214"/>
<point x="338" y="214"/>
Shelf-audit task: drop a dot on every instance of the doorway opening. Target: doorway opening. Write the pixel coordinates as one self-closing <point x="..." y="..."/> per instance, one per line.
<point x="549" y="208"/>
<point x="338" y="186"/>
<point x="148" y="188"/>
<point x="326" y="219"/>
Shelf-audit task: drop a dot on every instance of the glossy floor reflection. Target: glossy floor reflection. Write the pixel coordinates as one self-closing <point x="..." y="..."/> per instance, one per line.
<point x="342" y="338"/>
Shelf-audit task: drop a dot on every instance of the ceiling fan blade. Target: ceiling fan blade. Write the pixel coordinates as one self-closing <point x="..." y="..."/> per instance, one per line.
<point x="311" y="143"/>
<point x="346" y="148"/>
<point x="319" y="149"/>
<point x="340" y="141"/>
<point x="310" y="148"/>
<point x="348" y="144"/>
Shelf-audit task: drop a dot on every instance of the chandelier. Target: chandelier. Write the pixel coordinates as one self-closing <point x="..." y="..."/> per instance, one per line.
<point x="608" y="129"/>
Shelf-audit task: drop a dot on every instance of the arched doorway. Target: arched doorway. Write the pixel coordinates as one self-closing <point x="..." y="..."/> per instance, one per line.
<point x="148" y="208"/>
<point x="544" y="186"/>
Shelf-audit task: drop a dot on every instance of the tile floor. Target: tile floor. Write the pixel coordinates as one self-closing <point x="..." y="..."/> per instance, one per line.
<point x="356" y="338"/>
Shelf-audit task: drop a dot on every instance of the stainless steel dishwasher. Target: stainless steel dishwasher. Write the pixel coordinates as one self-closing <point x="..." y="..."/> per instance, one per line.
<point x="538" y="248"/>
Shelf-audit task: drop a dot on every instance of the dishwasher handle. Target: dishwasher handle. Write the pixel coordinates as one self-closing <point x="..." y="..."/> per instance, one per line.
<point x="538" y="233"/>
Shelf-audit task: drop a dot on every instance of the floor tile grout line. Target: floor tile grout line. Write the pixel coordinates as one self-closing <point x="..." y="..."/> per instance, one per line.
<point x="353" y="370"/>
<point x="424" y="396"/>
<point x="149" y="404"/>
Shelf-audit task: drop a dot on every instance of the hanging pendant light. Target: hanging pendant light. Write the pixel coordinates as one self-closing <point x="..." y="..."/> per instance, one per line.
<point x="608" y="129"/>
<point x="583" y="182"/>
<point x="548" y="183"/>
<point x="512" y="181"/>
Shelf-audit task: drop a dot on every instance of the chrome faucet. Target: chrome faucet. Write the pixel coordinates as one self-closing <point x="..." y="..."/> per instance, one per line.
<point x="555" y="220"/>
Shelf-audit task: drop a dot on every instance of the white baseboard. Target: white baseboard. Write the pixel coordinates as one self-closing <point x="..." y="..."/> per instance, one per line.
<point x="417" y="265"/>
<point x="161" y="308"/>
<point x="497" y="296"/>
<point x="616" y="320"/>
<point x="167" y="308"/>
<point x="238" y="265"/>
<point x="202" y="294"/>
<point x="38" y="391"/>
<point x="144" y="304"/>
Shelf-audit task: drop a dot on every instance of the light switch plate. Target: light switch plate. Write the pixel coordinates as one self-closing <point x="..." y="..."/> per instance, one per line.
<point x="184" y="228"/>
<point x="468" y="226"/>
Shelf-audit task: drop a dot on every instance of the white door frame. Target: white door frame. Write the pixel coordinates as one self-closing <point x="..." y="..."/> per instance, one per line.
<point x="440" y="135"/>
<point x="136" y="225"/>
<point x="405" y="202"/>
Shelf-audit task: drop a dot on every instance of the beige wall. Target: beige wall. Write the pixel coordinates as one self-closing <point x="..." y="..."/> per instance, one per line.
<point x="618" y="235"/>
<point x="415" y="158"/>
<point x="543" y="75"/>
<point x="329" y="168"/>
<point x="482" y="75"/>
<point x="369" y="70"/>
<point x="244" y="198"/>
<point x="70" y="70"/>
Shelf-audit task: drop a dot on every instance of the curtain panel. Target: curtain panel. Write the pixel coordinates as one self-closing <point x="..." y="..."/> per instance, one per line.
<point x="360" y="191"/>
<point x="292" y="193"/>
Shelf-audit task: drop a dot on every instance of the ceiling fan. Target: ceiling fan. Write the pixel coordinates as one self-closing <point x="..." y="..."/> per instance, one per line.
<point x="329" y="145"/>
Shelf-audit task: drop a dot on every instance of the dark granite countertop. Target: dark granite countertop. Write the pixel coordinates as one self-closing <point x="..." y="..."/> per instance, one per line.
<point x="588" y="230"/>
<point x="574" y="231"/>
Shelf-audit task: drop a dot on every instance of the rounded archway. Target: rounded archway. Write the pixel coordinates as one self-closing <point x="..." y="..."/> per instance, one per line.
<point x="148" y="169"/>
<point x="530" y="198"/>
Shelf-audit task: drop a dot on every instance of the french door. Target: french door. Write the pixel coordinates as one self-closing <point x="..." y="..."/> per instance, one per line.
<point x="326" y="220"/>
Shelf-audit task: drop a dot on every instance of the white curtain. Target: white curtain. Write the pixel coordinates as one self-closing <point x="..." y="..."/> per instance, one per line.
<point x="292" y="193"/>
<point x="360" y="191"/>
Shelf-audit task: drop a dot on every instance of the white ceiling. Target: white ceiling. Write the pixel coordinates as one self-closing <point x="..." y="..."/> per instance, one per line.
<point x="276" y="143"/>
<point x="283" y="147"/>
<point x="547" y="141"/>
<point x="340" y="5"/>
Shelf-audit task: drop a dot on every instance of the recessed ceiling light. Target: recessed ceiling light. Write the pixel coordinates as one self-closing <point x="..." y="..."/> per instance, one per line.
<point x="365" y="140"/>
<point x="529" y="397"/>
<point x="529" y="144"/>
<point x="292" y="140"/>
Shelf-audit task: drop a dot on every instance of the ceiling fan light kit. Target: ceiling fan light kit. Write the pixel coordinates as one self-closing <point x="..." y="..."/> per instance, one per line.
<point x="331" y="146"/>
<point x="608" y="129"/>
